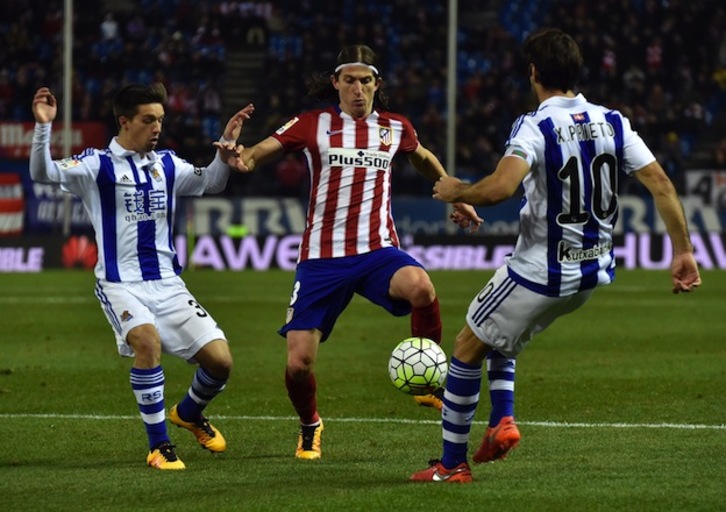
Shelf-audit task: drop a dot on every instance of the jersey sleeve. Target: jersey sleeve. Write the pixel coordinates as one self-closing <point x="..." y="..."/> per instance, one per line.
<point x="76" y="173"/>
<point x="188" y="179"/>
<point x="72" y="174"/>
<point x="636" y="153"/>
<point x="409" y="137"/>
<point x="524" y="140"/>
<point x="293" y="134"/>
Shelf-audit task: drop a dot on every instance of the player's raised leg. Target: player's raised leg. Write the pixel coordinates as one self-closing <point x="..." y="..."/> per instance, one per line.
<point x="426" y="323"/>
<point x="210" y="379"/>
<point x="412" y="283"/>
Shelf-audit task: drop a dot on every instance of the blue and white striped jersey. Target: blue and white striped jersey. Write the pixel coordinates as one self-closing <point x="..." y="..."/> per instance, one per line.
<point x="130" y="199"/>
<point x="576" y="150"/>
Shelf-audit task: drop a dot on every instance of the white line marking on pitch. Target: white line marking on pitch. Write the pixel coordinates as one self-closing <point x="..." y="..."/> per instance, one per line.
<point x="553" y="424"/>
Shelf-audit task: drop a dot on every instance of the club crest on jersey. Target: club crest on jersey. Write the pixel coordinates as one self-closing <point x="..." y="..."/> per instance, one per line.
<point x="578" y="118"/>
<point x="126" y="316"/>
<point x="68" y="163"/>
<point x="282" y="129"/>
<point x="385" y="135"/>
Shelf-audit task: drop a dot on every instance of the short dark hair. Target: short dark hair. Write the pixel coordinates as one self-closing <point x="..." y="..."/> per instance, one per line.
<point x="556" y="57"/>
<point x="319" y="86"/>
<point x="127" y="100"/>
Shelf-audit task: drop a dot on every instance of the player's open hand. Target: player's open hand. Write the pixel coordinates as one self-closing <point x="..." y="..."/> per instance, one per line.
<point x="465" y="216"/>
<point x="235" y="123"/>
<point x="45" y="106"/>
<point x="684" y="273"/>
<point x="231" y="154"/>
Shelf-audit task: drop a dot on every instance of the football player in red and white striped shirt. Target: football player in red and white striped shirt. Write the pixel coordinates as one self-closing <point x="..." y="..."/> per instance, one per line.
<point x="350" y="243"/>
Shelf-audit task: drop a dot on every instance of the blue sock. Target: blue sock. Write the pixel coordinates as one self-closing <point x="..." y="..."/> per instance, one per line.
<point x="500" y="371"/>
<point x="204" y="387"/>
<point x="461" y="397"/>
<point x="148" y="386"/>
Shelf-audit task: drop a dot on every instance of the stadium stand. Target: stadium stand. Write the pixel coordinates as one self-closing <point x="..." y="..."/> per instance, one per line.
<point x="662" y="63"/>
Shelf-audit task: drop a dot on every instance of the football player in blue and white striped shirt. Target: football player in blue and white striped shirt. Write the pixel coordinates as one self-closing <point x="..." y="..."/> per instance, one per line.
<point x="568" y="156"/>
<point x="130" y="192"/>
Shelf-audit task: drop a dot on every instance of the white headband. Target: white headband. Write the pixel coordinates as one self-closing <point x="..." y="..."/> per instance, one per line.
<point x="373" y="68"/>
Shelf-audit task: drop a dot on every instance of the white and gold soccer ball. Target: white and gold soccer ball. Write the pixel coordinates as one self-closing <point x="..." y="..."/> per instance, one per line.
<point x="418" y="366"/>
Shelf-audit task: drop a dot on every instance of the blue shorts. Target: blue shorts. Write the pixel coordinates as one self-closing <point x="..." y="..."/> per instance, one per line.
<point x="323" y="288"/>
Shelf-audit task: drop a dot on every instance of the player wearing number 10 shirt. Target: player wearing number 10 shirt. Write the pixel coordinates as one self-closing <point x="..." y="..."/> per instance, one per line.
<point x="568" y="156"/>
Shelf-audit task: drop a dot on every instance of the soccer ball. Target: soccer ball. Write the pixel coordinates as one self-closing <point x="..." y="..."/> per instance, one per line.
<point x="418" y="366"/>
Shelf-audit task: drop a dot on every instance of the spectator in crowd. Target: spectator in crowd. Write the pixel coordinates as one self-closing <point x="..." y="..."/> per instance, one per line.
<point x="657" y="45"/>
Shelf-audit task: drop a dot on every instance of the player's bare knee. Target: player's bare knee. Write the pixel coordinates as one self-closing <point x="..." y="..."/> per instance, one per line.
<point x="145" y="342"/>
<point x="422" y="293"/>
<point x="220" y="368"/>
<point x="300" y="367"/>
<point x="468" y="348"/>
<point x="298" y="373"/>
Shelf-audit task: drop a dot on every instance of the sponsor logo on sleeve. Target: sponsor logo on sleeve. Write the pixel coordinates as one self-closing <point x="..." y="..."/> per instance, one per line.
<point x="68" y="163"/>
<point x="282" y="129"/>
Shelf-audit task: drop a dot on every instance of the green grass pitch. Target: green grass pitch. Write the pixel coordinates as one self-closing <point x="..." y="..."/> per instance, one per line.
<point x="621" y="406"/>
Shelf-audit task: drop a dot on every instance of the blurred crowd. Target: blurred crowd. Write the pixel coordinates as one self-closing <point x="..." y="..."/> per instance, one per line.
<point x="661" y="62"/>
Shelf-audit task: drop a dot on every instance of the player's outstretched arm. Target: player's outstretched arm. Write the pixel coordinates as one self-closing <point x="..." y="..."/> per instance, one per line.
<point x="428" y="166"/>
<point x="264" y="151"/>
<point x="41" y="166"/>
<point x="684" y="270"/>
<point x="492" y="189"/>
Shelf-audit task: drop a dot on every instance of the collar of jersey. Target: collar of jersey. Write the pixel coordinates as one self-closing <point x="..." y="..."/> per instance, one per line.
<point x="349" y="117"/>
<point x="561" y="101"/>
<point x="118" y="150"/>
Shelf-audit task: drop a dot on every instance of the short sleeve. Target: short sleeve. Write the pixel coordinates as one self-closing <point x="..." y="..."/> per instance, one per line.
<point x="525" y="140"/>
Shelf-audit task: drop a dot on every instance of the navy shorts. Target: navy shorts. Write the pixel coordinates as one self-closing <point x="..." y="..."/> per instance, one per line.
<point x="323" y="288"/>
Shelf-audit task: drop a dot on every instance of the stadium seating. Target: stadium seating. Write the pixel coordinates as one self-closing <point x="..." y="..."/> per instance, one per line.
<point x="671" y="89"/>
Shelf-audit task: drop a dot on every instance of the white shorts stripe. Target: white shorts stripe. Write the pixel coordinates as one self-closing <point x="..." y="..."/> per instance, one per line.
<point x="493" y="300"/>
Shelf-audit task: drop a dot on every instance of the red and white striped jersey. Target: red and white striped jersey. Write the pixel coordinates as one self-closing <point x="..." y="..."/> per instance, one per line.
<point x="349" y="161"/>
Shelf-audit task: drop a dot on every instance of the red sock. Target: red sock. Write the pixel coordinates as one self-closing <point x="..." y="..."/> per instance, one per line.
<point x="302" y="396"/>
<point x="426" y="321"/>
